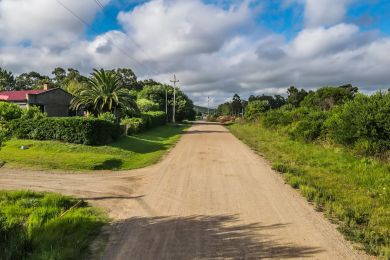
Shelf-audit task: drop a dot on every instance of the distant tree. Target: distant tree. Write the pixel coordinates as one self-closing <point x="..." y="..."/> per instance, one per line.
<point x="7" y="80"/>
<point x="31" y="80"/>
<point x="128" y="79"/>
<point x="276" y="101"/>
<point x="295" y="96"/>
<point x="59" y="76"/>
<point x="225" y="109"/>
<point x="156" y="93"/>
<point x="103" y="92"/>
<point x="327" y="97"/>
<point x="236" y="104"/>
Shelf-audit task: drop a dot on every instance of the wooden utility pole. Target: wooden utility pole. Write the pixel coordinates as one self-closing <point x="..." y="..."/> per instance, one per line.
<point x="208" y="106"/>
<point x="174" y="96"/>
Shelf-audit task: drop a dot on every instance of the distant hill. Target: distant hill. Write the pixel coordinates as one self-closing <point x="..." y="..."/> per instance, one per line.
<point x="204" y="109"/>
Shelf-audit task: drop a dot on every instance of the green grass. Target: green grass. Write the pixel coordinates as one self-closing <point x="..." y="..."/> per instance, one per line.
<point x="129" y="152"/>
<point x="31" y="226"/>
<point x="354" y="191"/>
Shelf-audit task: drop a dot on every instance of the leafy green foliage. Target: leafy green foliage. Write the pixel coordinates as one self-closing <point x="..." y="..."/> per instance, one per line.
<point x="79" y="130"/>
<point x="352" y="189"/>
<point x="327" y="97"/>
<point x="363" y="122"/>
<point x="128" y="152"/>
<point x="103" y="92"/>
<point x="156" y="93"/>
<point x="9" y="111"/>
<point x="310" y="127"/>
<point x="146" y="105"/>
<point x="108" y="117"/>
<point x="7" y="80"/>
<point x="256" y="108"/>
<point x="295" y="96"/>
<point x="31" y="226"/>
<point x="147" y="120"/>
<point x="31" y="80"/>
<point x="274" y="102"/>
<point x="33" y="112"/>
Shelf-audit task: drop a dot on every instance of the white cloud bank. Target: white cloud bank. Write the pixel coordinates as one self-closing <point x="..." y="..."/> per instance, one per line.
<point x="214" y="51"/>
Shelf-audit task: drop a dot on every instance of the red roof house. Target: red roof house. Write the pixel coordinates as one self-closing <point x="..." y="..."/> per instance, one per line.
<point x="54" y="102"/>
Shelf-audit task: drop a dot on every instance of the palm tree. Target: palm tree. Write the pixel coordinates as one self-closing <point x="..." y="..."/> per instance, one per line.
<point x="103" y="92"/>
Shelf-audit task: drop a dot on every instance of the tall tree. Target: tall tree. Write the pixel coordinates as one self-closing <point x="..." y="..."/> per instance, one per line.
<point x="295" y="96"/>
<point x="236" y="104"/>
<point x="103" y="92"/>
<point x="7" y="80"/>
<point x="128" y="78"/>
<point x="31" y="80"/>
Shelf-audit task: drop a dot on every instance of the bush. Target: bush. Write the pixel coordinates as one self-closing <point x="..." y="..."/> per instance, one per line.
<point x="153" y="118"/>
<point x="147" y="120"/>
<point x="33" y="112"/>
<point x="133" y="125"/>
<point x="310" y="127"/>
<point x="108" y="117"/>
<point x="363" y="123"/>
<point x="9" y="111"/>
<point x="255" y="109"/>
<point x="79" y="130"/>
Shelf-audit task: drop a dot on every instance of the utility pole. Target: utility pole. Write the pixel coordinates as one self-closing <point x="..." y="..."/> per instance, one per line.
<point x="174" y="96"/>
<point x="208" y="106"/>
<point x="166" y="103"/>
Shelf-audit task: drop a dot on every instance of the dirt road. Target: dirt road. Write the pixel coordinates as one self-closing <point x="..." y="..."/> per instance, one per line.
<point x="210" y="198"/>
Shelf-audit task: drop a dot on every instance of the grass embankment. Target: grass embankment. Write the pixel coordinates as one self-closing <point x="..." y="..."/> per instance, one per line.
<point x="31" y="226"/>
<point x="354" y="191"/>
<point x="129" y="152"/>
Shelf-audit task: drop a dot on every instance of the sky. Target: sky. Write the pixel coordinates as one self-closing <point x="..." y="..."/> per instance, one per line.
<point x="215" y="47"/>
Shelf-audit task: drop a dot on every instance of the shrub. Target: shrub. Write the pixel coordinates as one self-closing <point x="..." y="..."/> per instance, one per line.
<point x="310" y="127"/>
<point x="9" y="111"/>
<point x="277" y="117"/>
<point x="255" y="109"/>
<point x="363" y="122"/>
<point x="147" y="120"/>
<point x="153" y="118"/>
<point x="33" y="112"/>
<point x="108" y="117"/>
<point x="79" y="130"/>
<point x="133" y="125"/>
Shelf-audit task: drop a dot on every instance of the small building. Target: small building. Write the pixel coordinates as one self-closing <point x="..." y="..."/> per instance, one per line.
<point x="55" y="102"/>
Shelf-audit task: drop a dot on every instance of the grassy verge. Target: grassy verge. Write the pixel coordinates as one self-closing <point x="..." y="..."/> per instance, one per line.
<point x="129" y="152"/>
<point x="353" y="191"/>
<point x="31" y="226"/>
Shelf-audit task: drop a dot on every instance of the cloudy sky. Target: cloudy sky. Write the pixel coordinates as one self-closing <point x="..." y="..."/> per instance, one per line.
<point x="215" y="47"/>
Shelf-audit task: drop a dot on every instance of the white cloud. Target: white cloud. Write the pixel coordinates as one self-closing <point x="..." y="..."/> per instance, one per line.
<point x="214" y="51"/>
<point x="325" y="12"/>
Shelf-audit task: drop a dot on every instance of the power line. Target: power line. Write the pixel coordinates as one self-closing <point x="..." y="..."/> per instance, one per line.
<point x="95" y="31"/>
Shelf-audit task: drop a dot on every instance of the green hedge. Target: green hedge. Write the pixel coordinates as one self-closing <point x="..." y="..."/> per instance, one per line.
<point x="78" y="130"/>
<point x="147" y="120"/>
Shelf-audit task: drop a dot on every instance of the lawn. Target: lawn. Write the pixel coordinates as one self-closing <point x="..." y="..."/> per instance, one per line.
<point x="129" y="152"/>
<point x="353" y="191"/>
<point x="45" y="226"/>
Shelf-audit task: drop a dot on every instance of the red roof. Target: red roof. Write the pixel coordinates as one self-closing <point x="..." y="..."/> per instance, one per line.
<point x="18" y="95"/>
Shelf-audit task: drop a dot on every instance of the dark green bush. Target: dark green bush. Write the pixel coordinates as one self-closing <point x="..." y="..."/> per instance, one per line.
<point x="310" y="127"/>
<point x="153" y="118"/>
<point x="363" y="123"/>
<point x="277" y="117"/>
<point x="79" y="130"/>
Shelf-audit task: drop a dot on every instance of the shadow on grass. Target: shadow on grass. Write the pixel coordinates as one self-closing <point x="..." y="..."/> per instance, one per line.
<point x="199" y="237"/>
<point x="110" y="164"/>
<point x="149" y="141"/>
